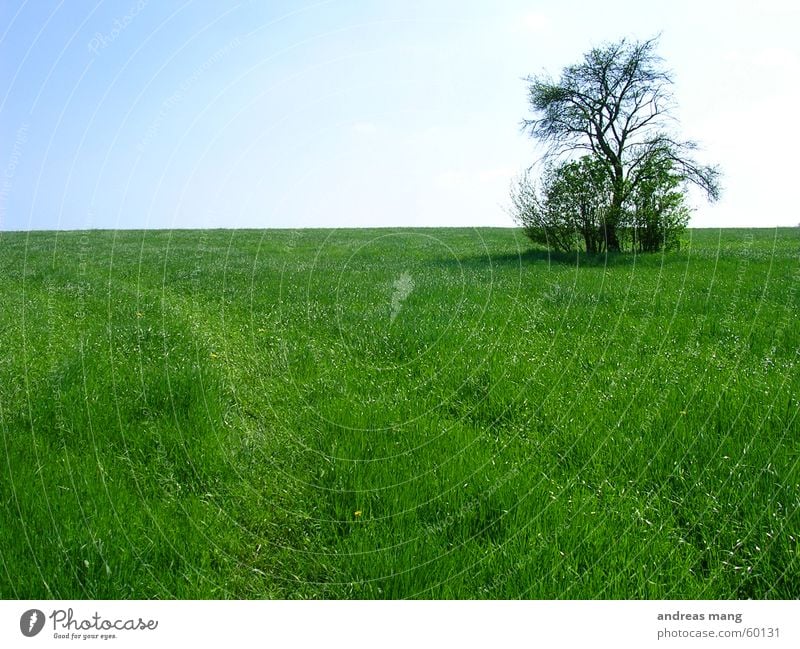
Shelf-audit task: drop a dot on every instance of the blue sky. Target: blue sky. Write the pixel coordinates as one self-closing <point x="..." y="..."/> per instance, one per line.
<point x="349" y="113"/>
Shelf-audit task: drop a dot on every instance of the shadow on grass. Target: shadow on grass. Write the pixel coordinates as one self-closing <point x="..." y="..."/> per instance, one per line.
<point x="536" y="256"/>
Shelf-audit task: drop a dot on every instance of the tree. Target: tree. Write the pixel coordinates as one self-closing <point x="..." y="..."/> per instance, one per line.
<point x="616" y="104"/>
<point x="568" y="208"/>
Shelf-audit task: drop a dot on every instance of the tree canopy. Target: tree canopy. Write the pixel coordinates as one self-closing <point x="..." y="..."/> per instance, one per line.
<point x="616" y="106"/>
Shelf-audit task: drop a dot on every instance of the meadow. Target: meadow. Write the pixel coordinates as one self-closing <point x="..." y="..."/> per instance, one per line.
<point x="432" y="413"/>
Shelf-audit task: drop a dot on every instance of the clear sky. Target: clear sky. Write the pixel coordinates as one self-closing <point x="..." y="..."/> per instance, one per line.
<point x="348" y="113"/>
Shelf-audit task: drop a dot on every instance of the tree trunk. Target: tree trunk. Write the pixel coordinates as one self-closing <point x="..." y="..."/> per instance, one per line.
<point x="615" y="212"/>
<point x="610" y="235"/>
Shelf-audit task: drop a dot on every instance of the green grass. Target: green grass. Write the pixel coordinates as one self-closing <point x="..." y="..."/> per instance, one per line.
<point x="236" y="414"/>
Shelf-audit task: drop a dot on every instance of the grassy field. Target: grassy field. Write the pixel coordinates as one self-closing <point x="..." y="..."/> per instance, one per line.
<point x="397" y="414"/>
